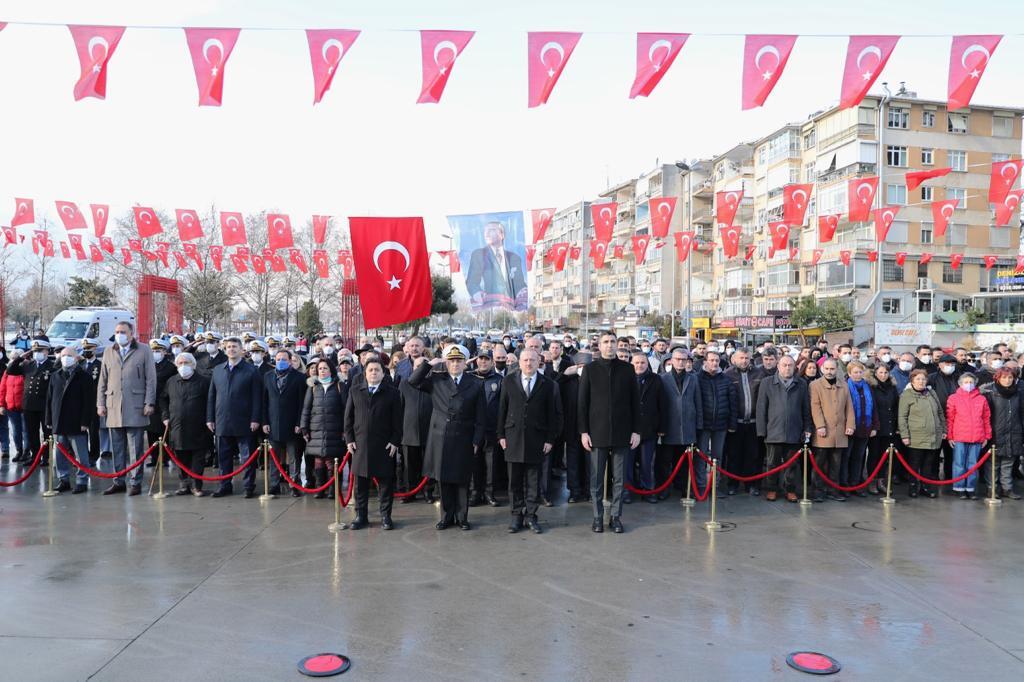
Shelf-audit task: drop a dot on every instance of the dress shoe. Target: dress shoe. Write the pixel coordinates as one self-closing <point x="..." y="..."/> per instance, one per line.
<point x="320" y="495"/>
<point x="491" y="501"/>
<point x="296" y="492"/>
<point x="223" y="493"/>
<point x="533" y="524"/>
<point x="63" y="486"/>
<point x="476" y="501"/>
<point x="135" y="490"/>
<point x="598" y="526"/>
<point x="912" y="493"/>
<point x="79" y="489"/>
<point x="545" y="501"/>
<point x="1012" y="495"/>
<point x="441" y="525"/>
<point x="651" y="499"/>
<point x="791" y="497"/>
<point x="931" y="494"/>
<point x="183" y="491"/>
<point x="406" y="500"/>
<point x="199" y="493"/>
<point x="616" y="525"/>
<point x="358" y="523"/>
<point x="115" y="489"/>
<point x="249" y="494"/>
<point x="18" y="458"/>
<point x="516" y="525"/>
<point x="962" y="494"/>
<point x="771" y="496"/>
<point x="464" y="525"/>
<point x="386" y="524"/>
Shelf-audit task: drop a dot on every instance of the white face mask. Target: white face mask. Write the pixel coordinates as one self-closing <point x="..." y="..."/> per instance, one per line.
<point x="996" y="364"/>
<point x="968" y="387"/>
<point x="175" y="351"/>
<point x="886" y="357"/>
<point x="328" y="350"/>
<point x="67" y="362"/>
<point x="211" y="348"/>
<point x="39" y="356"/>
<point x="846" y="357"/>
<point x="185" y="371"/>
<point x="927" y="360"/>
<point x="947" y="369"/>
<point x="257" y="358"/>
<point x="121" y="338"/>
<point x="906" y="366"/>
<point x="158" y="356"/>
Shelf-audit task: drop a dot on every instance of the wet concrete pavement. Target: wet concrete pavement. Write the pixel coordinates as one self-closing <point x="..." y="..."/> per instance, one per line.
<point x="183" y="589"/>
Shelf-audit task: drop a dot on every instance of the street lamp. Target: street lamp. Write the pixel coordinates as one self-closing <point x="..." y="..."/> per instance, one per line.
<point x="685" y="168"/>
<point x="451" y="283"/>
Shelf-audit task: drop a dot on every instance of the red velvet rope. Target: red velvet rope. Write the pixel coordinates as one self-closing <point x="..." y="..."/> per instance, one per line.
<point x="852" y="488"/>
<point x="32" y="467"/>
<point x="697" y="495"/>
<point x="664" y="486"/>
<point x="309" y="491"/>
<point x="414" y="491"/>
<point x="211" y="479"/>
<point x="347" y="497"/>
<point x="755" y="477"/>
<point x="959" y="478"/>
<point x="102" y="474"/>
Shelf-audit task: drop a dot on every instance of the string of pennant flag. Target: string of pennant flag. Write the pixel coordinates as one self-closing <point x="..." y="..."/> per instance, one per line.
<point x="764" y="60"/>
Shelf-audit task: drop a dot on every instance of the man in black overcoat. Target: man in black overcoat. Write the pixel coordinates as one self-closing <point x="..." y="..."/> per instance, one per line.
<point x="284" y="390"/>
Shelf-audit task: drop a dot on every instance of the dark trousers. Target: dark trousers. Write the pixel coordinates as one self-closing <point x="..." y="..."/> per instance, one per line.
<point x="712" y="443"/>
<point x="876" y="448"/>
<point x="386" y="495"/>
<point x="33" y="425"/>
<point x="743" y="454"/>
<point x="412" y="471"/>
<point x="665" y="459"/>
<point x="614" y="458"/>
<point x="644" y="455"/>
<point x="286" y="451"/>
<point x="944" y="464"/>
<point x="227" y="448"/>
<point x="523" y="487"/>
<point x="94" y="442"/>
<point x="924" y="462"/>
<point x="855" y="461"/>
<point x="786" y="480"/>
<point x="455" y="502"/>
<point x="487" y="469"/>
<point x="194" y="460"/>
<point x="829" y="461"/>
<point x="577" y="468"/>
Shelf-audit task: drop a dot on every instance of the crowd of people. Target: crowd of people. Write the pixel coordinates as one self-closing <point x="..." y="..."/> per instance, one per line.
<point x="460" y="421"/>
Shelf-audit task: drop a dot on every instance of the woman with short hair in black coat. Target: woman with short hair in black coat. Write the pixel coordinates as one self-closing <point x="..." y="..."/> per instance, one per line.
<point x="887" y="403"/>
<point x="323" y="422"/>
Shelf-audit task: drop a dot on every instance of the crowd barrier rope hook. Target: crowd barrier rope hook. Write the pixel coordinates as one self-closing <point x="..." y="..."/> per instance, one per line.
<point x="265" y="447"/>
<point x="993" y="500"/>
<point x="50" y="492"/>
<point x="31" y="469"/>
<point x="889" y="499"/>
<point x="688" y="501"/>
<point x="337" y="525"/>
<point x="805" y="501"/>
<point x="713" y="524"/>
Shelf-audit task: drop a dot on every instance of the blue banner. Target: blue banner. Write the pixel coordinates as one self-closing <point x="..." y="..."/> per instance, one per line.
<point x="492" y="254"/>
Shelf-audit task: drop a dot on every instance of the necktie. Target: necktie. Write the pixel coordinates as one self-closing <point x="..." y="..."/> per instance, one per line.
<point x="373" y="389"/>
<point x="529" y="387"/>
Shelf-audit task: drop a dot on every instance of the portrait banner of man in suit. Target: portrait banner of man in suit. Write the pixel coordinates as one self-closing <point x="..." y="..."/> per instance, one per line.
<point x="492" y="251"/>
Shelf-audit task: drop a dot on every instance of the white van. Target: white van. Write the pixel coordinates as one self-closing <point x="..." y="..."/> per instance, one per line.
<point x="74" y="324"/>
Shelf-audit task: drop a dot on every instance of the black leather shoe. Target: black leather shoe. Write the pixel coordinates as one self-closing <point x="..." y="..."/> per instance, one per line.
<point x="545" y="501"/>
<point x="79" y="489"/>
<point x="183" y="491"/>
<point x="516" y="525"/>
<point x="651" y="499"/>
<point x="465" y="526"/>
<point x="115" y="489"/>
<point x="135" y="490"/>
<point x="296" y="492"/>
<point x="616" y="525"/>
<point x="491" y="501"/>
<point x="533" y="524"/>
<point x="199" y="492"/>
<point x="598" y="526"/>
<point x="358" y="523"/>
<point x="223" y="493"/>
<point x="63" y="486"/>
<point x="386" y="524"/>
<point x="441" y="525"/>
<point x="476" y="501"/>
<point x="249" y="494"/>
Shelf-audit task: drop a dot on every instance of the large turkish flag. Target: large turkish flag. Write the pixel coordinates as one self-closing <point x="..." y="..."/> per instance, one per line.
<point x="392" y="269"/>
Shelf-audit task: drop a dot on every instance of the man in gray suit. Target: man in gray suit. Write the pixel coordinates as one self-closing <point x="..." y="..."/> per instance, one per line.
<point x="126" y="396"/>
<point x="495" y="277"/>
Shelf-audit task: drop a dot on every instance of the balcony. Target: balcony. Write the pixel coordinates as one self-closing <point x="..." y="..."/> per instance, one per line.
<point x="783" y="290"/>
<point x="744" y="291"/>
<point x="860" y="130"/>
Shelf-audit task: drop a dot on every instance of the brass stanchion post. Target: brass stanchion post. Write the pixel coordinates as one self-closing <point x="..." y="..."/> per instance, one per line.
<point x="889" y="499"/>
<point x="713" y="524"/>
<point x="688" y="500"/>
<point x="805" y="501"/>
<point x="160" y="470"/>
<point x="993" y="500"/>
<point x="52" y="452"/>
<point x="266" y="472"/>
<point x="337" y="525"/>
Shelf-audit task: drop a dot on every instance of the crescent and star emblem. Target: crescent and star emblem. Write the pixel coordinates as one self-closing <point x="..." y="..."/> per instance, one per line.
<point x="383" y="247"/>
<point x="557" y="47"/>
<point x="767" y="49"/>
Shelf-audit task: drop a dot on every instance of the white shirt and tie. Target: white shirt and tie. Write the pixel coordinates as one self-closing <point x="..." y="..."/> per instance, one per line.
<point x="373" y="388"/>
<point x="528" y="382"/>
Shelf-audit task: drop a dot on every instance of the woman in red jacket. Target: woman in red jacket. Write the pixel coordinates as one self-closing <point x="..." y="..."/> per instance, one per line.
<point x="968" y="425"/>
<point x="12" y="386"/>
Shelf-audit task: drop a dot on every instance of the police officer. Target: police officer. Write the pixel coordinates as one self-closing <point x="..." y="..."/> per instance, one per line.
<point x="37" y="370"/>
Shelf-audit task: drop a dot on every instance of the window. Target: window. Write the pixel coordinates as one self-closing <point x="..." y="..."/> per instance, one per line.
<point x="951" y="276"/>
<point x="898" y="117"/>
<point x="896" y="156"/>
<point x="998" y="237"/>
<point x="1002" y="126"/>
<point x="924" y="305"/>
<point x="958" y="160"/>
<point x="950" y="305"/>
<point x="898" y="232"/>
<point x="794" y="174"/>
<point x="926" y="193"/>
<point x="896" y="194"/>
<point x="928" y="119"/>
<point x="997" y="158"/>
<point x="927" y="156"/>
<point x="891" y="306"/>
<point x="959" y="194"/>
<point x="956" y="123"/>
<point x="926" y="233"/>
<point x="810" y="139"/>
<point x="891" y="271"/>
<point x="957" y="235"/>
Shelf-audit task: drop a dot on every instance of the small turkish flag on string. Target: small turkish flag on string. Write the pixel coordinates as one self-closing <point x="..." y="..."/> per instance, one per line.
<point x="298" y="260"/>
<point x="279" y="231"/>
<point x="242" y="251"/>
<point x="107" y="244"/>
<point x="392" y="269"/>
<point x="794" y="252"/>
<point x="232" y="229"/>
<point x="684" y="240"/>
<point x="126" y="255"/>
<point x="655" y="53"/>
<point x="575" y="252"/>
<point x="968" y="59"/>
<point x="192" y="251"/>
<point x="816" y="256"/>
<point x="548" y="55"/>
<point x="730" y="240"/>
<point x="531" y="251"/>
<point x="1004" y="175"/>
<point x="348" y="265"/>
<point x="95" y="46"/>
<point x="559" y="252"/>
<point x="764" y="58"/>
<point x="618" y="250"/>
<point x="163" y="256"/>
<point x="1006" y="207"/>
<point x="726" y="205"/>
<point x="95" y="254"/>
<point x="925" y="258"/>
<point x="48" y="247"/>
<point x="210" y="49"/>
<point x="844" y="256"/>
<point x="267" y="254"/>
<point x="942" y="213"/>
<point x="326" y="48"/>
<point x="541" y="218"/>
<point x="603" y="216"/>
<point x="865" y="58"/>
<point x="100" y="213"/>
<point x="70" y="215"/>
<point x="827" y="225"/>
<point x="915" y="178"/>
<point x="901" y="258"/>
<point x="439" y="50"/>
<point x="1020" y="264"/>
<point x="872" y="256"/>
<point x="661" y="210"/>
<point x="750" y="251"/>
<point x="277" y="263"/>
<point x="883" y="220"/>
<point x="598" y="250"/>
<point x="239" y="263"/>
<point x="76" y="245"/>
<point x="794" y="202"/>
<point x="990" y="261"/>
<point x="11" y="235"/>
<point x="189" y="227"/>
<point x="259" y="265"/>
<point x="180" y="260"/>
<point x="147" y="222"/>
<point x="640" y="243"/>
<point x="861" y="194"/>
<point x="216" y="256"/>
<point x="779" y="232"/>
<point x="709" y="248"/>
<point x="320" y="226"/>
<point x="24" y="212"/>
<point x="955" y="259"/>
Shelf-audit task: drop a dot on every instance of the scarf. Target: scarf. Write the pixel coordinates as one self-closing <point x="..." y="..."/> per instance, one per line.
<point x="1006" y="392"/>
<point x="861" y="392"/>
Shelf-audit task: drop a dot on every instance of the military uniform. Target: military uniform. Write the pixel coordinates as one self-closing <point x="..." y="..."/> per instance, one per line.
<point x="37" y="381"/>
<point x="99" y="441"/>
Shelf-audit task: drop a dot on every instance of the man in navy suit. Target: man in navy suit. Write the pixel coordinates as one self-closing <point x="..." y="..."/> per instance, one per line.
<point x="234" y="411"/>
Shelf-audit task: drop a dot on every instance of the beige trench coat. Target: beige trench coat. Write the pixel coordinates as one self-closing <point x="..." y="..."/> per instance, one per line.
<point x="831" y="407"/>
<point x="127" y="386"/>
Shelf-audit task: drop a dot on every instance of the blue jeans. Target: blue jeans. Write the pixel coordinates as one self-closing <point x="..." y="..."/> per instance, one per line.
<point x="645" y="453"/>
<point x="79" y="445"/>
<point x="17" y="428"/>
<point x="965" y="455"/>
<point x="712" y="443"/>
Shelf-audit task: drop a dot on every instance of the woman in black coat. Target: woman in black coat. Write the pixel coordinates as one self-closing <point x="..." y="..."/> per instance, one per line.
<point x="1007" y="412"/>
<point x="373" y="431"/>
<point x="886" y="398"/>
<point x="183" y="406"/>
<point x="323" y="422"/>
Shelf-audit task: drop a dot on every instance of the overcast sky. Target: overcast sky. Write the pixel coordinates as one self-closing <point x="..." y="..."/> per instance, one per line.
<point x="369" y="149"/>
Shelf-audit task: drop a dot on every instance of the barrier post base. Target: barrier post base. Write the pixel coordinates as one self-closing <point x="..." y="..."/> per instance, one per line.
<point x="337" y="527"/>
<point x="990" y="501"/>
<point x="267" y="496"/>
<point x="712" y="525"/>
<point x="804" y="502"/>
<point x="688" y="502"/>
<point x="50" y="493"/>
<point x="888" y="500"/>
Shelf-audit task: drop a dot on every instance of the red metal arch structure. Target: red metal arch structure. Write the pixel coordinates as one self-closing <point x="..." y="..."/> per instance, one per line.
<point x="351" y="314"/>
<point x="150" y="285"/>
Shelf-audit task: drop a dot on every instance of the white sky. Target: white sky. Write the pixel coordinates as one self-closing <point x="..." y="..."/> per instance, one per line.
<point x="369" y="149"/>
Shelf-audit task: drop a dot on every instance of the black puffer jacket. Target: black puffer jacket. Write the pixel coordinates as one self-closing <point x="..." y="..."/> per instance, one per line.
<point x="323" y="420"/>
<point x="1007" y="408"/>
<point x="887" y="406"/>
<point x="718" y="393"/>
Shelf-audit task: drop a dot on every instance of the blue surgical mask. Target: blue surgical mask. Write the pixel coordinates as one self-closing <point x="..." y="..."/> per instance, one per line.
<point x="326" y="380"/>
<point x="283" y="365"/>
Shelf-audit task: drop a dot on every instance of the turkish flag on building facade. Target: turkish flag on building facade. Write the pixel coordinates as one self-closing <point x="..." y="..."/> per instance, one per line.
<point x="968" y="59"/>
<point x="100" y="213"/>
<point x="901" y="258"/>
<point x="779" y="232"/>
<point x="764" y="58"/>
<point x="279" y="231"/>
<point x="320" y="225"/>
<point x="726" y="206"/>
<point x="640" y="243"/>
<point x="531" y="251"/>
<point x="942" y="213"/>
<point x="392" y="269"/>
<point x="872" y="256"/>
<point x="326" y="48"/>
<point x="955" y="259"/>
<point x="1006" y="207"/>
<point x="684" y="240"/>
<point x="990" y="262"/>
<point x="147" y="222"/>
<point x="189" y="227"/>
<point x="232" y="229"/>
<point x="794" y="202"/>
<point x="655" y="53"/>
<point x="661" y="210"/>
<point x="558" y="254"/>
<point x="603" y="216"/>
<point x="541" y="218"/>
<point x="70" y="215"/>
<point x="915" y="178"/>
<point x="598" y="251"/>
<point x="749" y="252"/>
<point x="844" y="256"/>
<point x="925" y="258"/>
<point x="24" y="212"/>
<point x="827" y="225"/>
<point x="439" y="51"/>
<point x="816" y="256"/>
<point x="730" y="240"/>
<point x="210" y="49"/>
<point x="1020" y="264"/>
<point x="548" y="55"/>
<point x="865" y="58"/>
<point x="883" y="221"/>
<point x="1004" y="175"/>
<point x="95" y="46"/>
<point x="861" y="195"/>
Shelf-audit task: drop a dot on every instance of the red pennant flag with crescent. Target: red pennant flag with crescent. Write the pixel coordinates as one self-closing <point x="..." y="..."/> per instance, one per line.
<point x="794" y="202"/>
<point x="1020" y="264"/>
<point x="210" y="49"/>
<point x="575" y="252"/>
<point x="640" y="243"/>
<point x="816" y="256"/>
<point x="392" y="269"/>
<point x="794" y="252"/>
<point x="598" y="251"/>
<point x="180" y="260"/>
<point x="883" y="220"/>
<point x="603" y="216"/>
<point x="76" y="246"/>
<point x="279" y="231"/>
<point x="730" y="240"/>
<point x="243" y="251"/>
<point x="216" y="256"/>
<point x="942" y="213"/>
<point x="192" y="251"/>
<point x="48" y="247"/>
<point x="147" y="222"/>
<point x="259" y="265"/>
<point x="764" y="58"/>
<point x="844" y="256"/>
<point x="661" y="210"/>
<point x="655" y="53"/>
<point x="70" y="215"/>
<point x="1006" y="207"/>
<point x="135" y="244"/>
<point x="126" y="255"/>
<point x="439" y="51"/>
<point x="726" y="206"/>
<point x="861" y="195"/>
<point x="925" y="258"/>
<point x="239" y="263"/>
<point x="779" y="232"/>
<point x="326" y="48"/>
<point x="298" y="260"/>
<point x="872" y="256"/>
<point x="558" y="254"/>
<point x="320" y="225"/>
<point x="100" y="213"/>
<point x="684" y="241"/>
<point x="163" y="256"/>
<point x="348" y="266"/>
<point x="24" y="212"/>
<point x="901" y="258"/>
<point x="618" y="250"/>
<point x="915" y="178"/>
<point x="95" y="254"/>
<point x="827" y="225"/>
<point x="866" y="56"/>
<point x="232" y="229"/>
<point x="95" y="46"/>
<point x="277" y="263"/>
<point x="11" y="235"/>
<point x="531" y="251"/>
<point x="990" y="262"/>
<point x="107" y="244"/>
<point x="1004" y="175"/>
<point x="955" y="259"/>
<point x="189" y="227"/>
<point x="541" y="218"/>
<point x="548" y="55"/>
<point x="749" y="252"/>
<point x="968" y="59"/>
